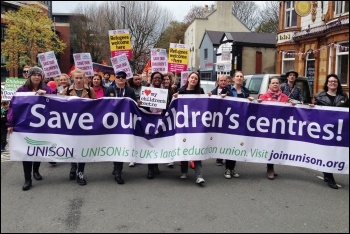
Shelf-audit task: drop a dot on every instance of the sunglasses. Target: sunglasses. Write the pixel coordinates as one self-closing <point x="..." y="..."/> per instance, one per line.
<point x="25" y="71"/>
<point x="118" y="77"/>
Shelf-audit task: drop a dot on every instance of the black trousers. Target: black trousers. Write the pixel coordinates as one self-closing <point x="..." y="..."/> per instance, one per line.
<point x="3" y="137"/>
<point x="79" y="166"/>
<point x="27" y="168"/>
<point x="152" y="166"/>
<point x="119" y="167"/>
<point x="270" y="166"/>
<point x="230" y="164"/>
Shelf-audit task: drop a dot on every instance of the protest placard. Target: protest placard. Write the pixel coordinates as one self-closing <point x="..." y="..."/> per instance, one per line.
<point x="121" y="63"/>
<point x="49" y="64"/>
<point x="159" y="60"/>
<point x="83" y="61"/>
<point x="154" y="97"/>
<point x="120" y="42"/>
<point x="11" y="86"/>
<point x="178" y="57"/>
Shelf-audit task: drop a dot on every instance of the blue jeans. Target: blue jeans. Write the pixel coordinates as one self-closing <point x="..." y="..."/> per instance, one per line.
<point x="197" y="168"/>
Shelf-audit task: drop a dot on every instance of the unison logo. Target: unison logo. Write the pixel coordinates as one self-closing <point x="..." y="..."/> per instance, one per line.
<point x="47" y="149"/>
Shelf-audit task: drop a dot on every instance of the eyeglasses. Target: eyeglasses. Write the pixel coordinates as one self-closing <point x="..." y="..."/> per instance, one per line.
<point x="118" y="77"/>
<point x="25" y="71"/>
<point x="333" y="81"/>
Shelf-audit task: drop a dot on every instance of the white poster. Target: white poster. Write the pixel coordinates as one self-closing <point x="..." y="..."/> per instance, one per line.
<point x="154" y="97"/>
<point x="83" y="61"/>
<point x="159" y="60"/>
<point x="121" y="63"/>
<point x="49" y="64"/>
<point x="184" y="76"/>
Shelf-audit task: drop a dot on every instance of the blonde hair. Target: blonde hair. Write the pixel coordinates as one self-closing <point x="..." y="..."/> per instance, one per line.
<point x="78" y="71"/>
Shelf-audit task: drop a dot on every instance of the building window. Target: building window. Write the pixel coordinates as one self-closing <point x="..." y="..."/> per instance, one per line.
<point x="3" y="60"/>
<point x="341" y="7"/>
<point x="3" y="27"/>
<point x="3" y="9"/>
<point x="288" y="60"/>
<point x="342" y="63"/>
<point x="205" y="53"/>
<point x="310" y="68"/>
<point x="290" y="15"/>
<point x="205" y="76"/>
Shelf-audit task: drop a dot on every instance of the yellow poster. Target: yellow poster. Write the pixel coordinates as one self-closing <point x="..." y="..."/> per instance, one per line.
<point x="120" y="43"/>
<point x="178" y="57"/>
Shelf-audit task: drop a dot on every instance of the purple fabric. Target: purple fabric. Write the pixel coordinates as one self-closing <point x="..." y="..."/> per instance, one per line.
<point x="320" y="126"/>
<point x="22" y="89"/>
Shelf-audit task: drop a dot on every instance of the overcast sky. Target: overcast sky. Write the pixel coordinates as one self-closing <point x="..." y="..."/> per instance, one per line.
<point x="179" y="9"/>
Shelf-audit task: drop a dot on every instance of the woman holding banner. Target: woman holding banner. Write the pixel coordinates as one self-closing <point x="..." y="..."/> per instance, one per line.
<point x="273" y="94"/>
<point x="79" y="89"/>
<point x="156" y="80"/>
<point x="120" y="89"/>
<point x="192" y="86"/>
<point x="331" y="95"/>
<point x="34" y="83"/>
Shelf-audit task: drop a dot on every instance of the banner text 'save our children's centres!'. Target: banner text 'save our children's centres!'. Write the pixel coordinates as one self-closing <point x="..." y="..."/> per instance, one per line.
<point x="195" y="127"/>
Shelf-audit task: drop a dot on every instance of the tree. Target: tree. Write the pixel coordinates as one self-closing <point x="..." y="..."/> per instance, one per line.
<point x="29" y="33"/>
<point x="247" y="12"/>
<point x="146" y="22"/>
<point x="196" y="11"/>
<point x="269" y="17"/>
<point x="175" y="33"/>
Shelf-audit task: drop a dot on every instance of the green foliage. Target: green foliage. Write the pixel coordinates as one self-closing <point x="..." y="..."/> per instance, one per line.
<point x="267" y="26"/>
<point x="174" y="33"/>
<point x="29" y="33"/>
<point x="269" y="17"/>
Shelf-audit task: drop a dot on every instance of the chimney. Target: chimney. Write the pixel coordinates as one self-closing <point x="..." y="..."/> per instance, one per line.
<point x="206" y="8"/>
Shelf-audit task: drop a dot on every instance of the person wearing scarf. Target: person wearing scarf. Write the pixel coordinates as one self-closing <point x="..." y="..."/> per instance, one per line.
<point x="273" y="94"/>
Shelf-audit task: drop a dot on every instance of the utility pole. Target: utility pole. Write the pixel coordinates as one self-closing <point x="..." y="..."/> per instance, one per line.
<point x="123" y="16"/>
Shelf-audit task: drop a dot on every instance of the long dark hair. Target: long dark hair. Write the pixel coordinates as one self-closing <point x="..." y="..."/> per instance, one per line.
<point x="339" y="88"/>
<point x="29" y="85"/>
<point x="198" y="85"/>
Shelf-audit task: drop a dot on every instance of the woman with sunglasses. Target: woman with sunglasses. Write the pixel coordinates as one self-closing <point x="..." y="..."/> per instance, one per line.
<point x="121" y="89"/>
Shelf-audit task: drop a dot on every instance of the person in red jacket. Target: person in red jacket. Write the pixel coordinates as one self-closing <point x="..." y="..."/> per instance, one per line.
<point x="273" y="94"/>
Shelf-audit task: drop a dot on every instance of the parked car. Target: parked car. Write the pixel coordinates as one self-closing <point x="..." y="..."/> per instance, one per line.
<point x="259" y="83"/>
<point x="208" y="85"/>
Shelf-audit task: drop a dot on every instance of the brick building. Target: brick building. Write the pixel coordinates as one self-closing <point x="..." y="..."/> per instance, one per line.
<point x="313" y="39"/>
<point x="61" y="27"/>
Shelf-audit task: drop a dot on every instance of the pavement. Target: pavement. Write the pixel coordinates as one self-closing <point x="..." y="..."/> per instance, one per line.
<point x="5" y="155"/>
<point x="297" y="201"/>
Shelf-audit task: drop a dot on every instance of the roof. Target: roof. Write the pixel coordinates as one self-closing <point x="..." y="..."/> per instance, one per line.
<point x="252" y="37"/>
<point x="215" y="36"/>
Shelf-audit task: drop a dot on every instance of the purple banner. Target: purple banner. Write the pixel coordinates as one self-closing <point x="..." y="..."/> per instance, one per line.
<point x="188" y="114"/>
